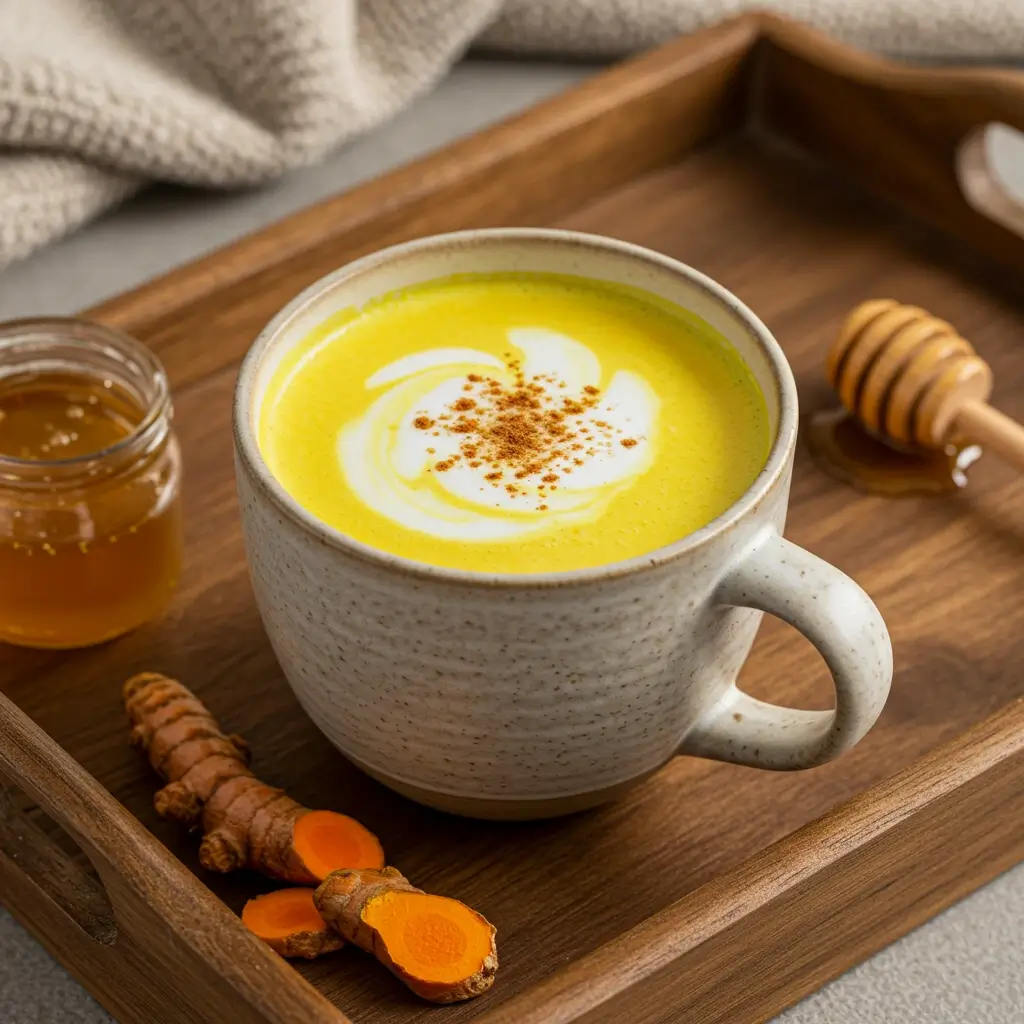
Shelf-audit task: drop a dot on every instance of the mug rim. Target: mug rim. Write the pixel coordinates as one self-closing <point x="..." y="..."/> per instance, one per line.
<point x="783" y="444"/>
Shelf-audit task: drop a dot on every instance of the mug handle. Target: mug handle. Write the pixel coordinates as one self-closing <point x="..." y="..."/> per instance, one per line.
<point x="778" y="577"/>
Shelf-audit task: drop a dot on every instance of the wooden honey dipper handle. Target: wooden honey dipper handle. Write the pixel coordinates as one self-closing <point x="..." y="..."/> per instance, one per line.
<point x="910" y="378"/>
<point x="994" y="431"/>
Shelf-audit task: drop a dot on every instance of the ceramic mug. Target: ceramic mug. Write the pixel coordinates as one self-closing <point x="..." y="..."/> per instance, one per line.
<point x="516" y="696"/>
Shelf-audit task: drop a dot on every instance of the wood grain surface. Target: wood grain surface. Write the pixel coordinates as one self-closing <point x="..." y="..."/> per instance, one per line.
<point x="687" y="151"/>
<point x="744" y="944"/>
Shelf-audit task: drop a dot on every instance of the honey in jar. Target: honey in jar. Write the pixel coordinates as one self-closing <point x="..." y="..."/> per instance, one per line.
<point x="90" y="511"/>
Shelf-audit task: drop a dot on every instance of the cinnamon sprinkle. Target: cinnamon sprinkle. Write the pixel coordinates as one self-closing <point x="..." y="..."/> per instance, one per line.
<point x="525" y="428"/>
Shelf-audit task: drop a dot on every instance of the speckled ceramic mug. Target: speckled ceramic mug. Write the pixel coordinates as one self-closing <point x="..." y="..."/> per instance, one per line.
<point x="514" y="696"/>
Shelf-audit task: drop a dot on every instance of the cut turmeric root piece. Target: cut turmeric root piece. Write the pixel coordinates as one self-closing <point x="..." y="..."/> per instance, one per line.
<point x="439" y="947"/>
<point x="245" y="822"/>
<point x="326" y="841"/>
<point x="289" y="923"/>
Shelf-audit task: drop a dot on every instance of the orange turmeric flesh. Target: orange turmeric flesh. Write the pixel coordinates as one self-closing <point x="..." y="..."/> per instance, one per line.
<point x="431" y="938"/>
<point x="288" y="922"/>
<point x="326" y="841"/>
<point x="246" y="823"/>
<point x="439" y="947"/>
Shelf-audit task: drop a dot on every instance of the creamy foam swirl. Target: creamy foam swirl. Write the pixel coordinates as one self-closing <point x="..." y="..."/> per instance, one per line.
<point x="456" y="448"/>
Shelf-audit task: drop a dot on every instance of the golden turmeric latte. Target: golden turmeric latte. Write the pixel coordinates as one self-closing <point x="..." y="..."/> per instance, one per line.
<point x="514" y="423"/>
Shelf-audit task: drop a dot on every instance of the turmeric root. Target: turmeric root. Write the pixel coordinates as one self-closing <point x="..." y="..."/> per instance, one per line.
<point x="439" y="947"/>
<point x="289" y="923"/>
<point x="246" y="823"/>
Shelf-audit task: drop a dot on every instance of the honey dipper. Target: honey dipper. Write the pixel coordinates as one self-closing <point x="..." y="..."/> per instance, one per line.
<point x="911" y="379"/>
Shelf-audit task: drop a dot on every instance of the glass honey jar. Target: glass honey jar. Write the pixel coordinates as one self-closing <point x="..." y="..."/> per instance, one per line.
<point x="90" y="477"/>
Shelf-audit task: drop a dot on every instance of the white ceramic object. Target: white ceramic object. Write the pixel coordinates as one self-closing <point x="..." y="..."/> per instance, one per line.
<point x="512" y="696"/>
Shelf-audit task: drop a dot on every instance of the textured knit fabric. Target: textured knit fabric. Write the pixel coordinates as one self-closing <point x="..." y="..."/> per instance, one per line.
<point x="98" y="97"/>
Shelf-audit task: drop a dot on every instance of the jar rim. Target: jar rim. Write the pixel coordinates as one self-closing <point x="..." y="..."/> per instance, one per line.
<point x="97" y="337"/>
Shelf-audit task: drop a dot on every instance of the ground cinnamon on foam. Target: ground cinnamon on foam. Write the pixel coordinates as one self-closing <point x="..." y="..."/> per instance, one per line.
<point x="529" y="429"/>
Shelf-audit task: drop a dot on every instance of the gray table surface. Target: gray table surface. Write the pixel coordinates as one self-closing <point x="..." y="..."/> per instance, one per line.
<point x="962" y="968"/>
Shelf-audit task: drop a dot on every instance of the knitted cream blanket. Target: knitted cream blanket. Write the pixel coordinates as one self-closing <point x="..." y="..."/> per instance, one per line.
<point x="97" y="97"/>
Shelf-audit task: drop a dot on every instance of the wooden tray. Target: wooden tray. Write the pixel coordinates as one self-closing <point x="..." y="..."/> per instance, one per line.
<point x="803" y="176"/>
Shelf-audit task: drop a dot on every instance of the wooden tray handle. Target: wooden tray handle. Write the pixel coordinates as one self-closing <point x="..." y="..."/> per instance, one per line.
<point x="910" y="134"/>
<point x="49" y="875"/>
<point x="150" y="916"/>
